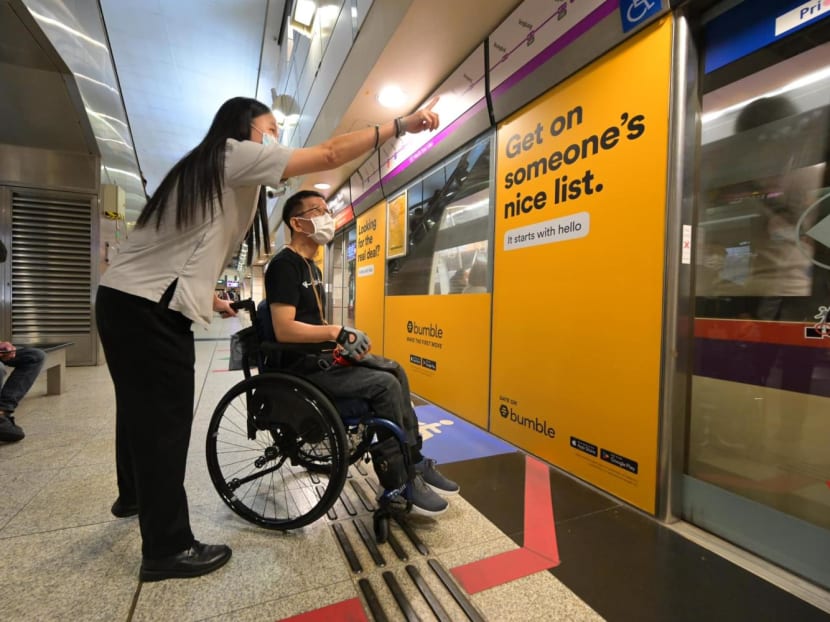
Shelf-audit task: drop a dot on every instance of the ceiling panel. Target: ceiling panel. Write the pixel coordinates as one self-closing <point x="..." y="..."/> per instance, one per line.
<point x="177" y="62"/>
<point x="76" y="30"/>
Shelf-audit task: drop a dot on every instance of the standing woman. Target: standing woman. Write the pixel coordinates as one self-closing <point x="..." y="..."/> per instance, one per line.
<point x="163" y="280"/>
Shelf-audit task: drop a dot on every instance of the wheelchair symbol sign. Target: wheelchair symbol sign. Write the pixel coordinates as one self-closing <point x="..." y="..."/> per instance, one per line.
<point x="634" y="12"/>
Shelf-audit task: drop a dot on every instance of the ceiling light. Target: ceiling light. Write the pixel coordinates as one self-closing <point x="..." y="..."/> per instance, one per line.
<point x="304" y="12"/>
<point x="71" y="31"/>
<point x="302" y="17"/>
<point x="284" y="108"/>
<point x="98" y="82"/>
<point x="122" y="171"/>
<point x="391" y="96"/>
<point x="322" y="186"/>
<point x="105" y="117"/>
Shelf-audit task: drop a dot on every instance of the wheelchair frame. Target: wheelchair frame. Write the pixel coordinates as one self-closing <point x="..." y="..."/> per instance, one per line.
<point x="313" y="443"/>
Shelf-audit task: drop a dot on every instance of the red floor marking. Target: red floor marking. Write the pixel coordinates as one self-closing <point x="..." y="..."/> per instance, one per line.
<point x="540" y="532"/>
<point x="500" y="569"/>
<point x="540" y="550"/>
<point x="347" y="611"/>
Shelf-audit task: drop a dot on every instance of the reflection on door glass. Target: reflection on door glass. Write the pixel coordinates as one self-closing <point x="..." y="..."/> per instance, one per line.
<point x="761" y="387"/>
<point x="461" y="270"/>
<point x="449" y="230"/>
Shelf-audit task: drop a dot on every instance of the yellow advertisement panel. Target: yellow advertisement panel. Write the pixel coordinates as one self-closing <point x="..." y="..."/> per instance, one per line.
<point x="370" y="276"/>
<point x="320" y="257"/>
<point x="396" y="222"/>
<point x="443" y="342"/>
<point x="578" y="284"/>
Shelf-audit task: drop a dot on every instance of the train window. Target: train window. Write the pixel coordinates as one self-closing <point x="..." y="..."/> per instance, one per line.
<point x="763" y="168"/>
<point x="762" y="363"/>
<point x="449" y="230"/>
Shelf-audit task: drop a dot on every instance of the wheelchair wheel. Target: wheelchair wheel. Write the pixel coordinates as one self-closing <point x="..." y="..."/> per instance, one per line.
<point x="261" y="436"/>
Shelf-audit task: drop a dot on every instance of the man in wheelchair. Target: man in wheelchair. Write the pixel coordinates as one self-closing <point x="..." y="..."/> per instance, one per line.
<point x="344" y="368"/>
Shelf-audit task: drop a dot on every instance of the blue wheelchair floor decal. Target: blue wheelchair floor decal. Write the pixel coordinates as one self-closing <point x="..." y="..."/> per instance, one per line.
<point x="450" y="439"/>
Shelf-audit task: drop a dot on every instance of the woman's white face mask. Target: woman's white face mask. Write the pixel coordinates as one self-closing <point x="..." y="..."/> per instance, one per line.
<point x="267" y="139"/>
<point x="324" y="226"/>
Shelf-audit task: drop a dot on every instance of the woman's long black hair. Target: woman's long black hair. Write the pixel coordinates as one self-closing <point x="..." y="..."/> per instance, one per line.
<point x="198" y="176"/>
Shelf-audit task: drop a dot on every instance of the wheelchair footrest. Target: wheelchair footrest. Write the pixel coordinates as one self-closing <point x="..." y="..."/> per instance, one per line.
<point x="393" y="503"/>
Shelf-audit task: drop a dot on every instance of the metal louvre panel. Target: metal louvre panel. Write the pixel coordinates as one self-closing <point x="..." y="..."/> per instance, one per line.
<point x="51" y="267"/>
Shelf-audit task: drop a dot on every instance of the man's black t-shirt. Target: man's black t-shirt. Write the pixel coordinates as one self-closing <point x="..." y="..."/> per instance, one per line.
<point x="292" y="280"/>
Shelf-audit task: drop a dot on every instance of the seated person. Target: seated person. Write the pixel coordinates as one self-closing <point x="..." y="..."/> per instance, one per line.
<point x="296" y="297"/>
<point x="27" y="363"/>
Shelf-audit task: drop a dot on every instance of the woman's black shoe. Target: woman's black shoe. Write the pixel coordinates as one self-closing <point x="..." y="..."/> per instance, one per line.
<point x="120" y="509"/>
<point x="199" y="559"/>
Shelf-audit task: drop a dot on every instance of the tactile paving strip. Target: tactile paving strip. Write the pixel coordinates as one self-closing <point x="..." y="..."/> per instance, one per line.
<point x="403" y="583"/>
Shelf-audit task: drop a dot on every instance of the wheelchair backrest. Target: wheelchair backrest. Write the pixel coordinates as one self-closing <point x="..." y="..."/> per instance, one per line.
<point x="263" y="323"/>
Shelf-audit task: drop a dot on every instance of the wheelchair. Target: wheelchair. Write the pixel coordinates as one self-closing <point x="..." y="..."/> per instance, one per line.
<point x="279" y="449"/>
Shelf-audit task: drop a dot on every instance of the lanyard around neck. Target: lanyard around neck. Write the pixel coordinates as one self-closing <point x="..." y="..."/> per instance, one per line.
<point x="313" y="281"/>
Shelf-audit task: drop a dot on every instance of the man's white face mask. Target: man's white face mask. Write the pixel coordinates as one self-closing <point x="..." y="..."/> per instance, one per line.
<point x="324" y="226"/>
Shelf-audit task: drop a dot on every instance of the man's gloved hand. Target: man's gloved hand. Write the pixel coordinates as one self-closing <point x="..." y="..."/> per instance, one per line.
<point x="355" y="343"/>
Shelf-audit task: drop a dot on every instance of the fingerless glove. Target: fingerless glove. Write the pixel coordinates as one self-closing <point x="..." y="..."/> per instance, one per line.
<point x="355" y="343"/>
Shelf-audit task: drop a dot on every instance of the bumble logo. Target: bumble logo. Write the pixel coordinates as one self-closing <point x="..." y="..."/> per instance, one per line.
<point x="535" y="425"/>
<point x="430" y="335"/>
<point x="431" y="330"/>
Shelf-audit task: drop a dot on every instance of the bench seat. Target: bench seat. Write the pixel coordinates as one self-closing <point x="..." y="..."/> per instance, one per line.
<point x="54" y="364"/>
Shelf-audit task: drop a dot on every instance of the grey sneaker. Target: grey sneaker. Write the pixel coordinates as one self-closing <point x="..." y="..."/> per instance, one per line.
<point x="9" y="431"/>
<point x="434" y="479"/>
<point x="424" y="500"/>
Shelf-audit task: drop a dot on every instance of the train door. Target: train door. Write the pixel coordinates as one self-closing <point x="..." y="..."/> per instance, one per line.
<point x="757" y="469"/>
<point x="343" y="253"/>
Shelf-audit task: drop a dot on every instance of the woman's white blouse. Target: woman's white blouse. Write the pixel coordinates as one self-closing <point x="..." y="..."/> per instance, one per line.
<point x="151" y="258"/>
